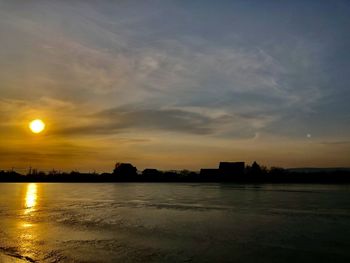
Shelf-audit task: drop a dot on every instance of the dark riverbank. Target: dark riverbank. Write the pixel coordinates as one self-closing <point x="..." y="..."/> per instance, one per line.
<point x="271" y="176"/>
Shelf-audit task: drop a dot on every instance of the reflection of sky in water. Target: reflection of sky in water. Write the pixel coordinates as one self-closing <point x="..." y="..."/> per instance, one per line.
<point x="184" y="222"/>
<point x="30" y="198"/>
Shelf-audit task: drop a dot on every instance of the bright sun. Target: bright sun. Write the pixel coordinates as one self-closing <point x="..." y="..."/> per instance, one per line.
<point x="37" y="126"/>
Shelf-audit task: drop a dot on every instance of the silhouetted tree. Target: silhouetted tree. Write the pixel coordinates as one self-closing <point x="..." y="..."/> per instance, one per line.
<point x="256" y="173"/>
<point x="125" y="169"/>
<point x="151" y="174"/>
<point x="256" y="169"/>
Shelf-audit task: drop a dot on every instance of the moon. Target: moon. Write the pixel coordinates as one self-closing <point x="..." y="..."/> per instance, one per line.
<point x="37" y="126"/>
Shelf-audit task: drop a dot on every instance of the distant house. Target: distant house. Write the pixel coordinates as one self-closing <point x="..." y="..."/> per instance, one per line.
<point x="231" y="168"/>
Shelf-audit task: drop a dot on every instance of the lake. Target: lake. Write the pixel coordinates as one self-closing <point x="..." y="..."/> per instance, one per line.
<point x="173" y="222"/>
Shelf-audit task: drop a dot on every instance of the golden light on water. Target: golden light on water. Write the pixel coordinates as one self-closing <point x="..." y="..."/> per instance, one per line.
<point x="37" y="126"/>
<point x="31" y="197"/>
<point x="27" y="233"/>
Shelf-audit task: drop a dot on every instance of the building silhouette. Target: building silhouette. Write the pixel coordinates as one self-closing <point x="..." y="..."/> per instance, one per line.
<point x="228" y="169"/>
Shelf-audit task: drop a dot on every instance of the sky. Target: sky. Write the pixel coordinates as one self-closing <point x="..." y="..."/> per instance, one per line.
<point x="174" y="84"/>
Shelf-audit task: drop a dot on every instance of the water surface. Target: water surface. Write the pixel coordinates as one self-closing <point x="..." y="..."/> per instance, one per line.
<point x="144" y="222"/>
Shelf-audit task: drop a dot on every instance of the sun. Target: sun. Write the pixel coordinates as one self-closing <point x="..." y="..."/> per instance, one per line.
<point x="37" y="126"/>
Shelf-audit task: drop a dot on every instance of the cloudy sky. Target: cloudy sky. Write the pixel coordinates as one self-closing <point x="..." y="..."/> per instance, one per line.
<point x="174" y="84"/>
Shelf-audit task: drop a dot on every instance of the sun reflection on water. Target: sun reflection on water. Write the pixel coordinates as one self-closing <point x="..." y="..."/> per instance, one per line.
<point x="27" y="235"/>
<point x="31" y="197"/>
